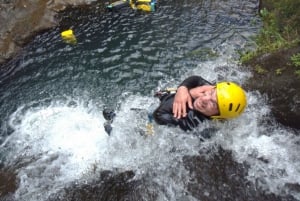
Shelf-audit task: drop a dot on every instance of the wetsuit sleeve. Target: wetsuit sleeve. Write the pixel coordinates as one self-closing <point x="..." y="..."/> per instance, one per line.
<point x="194" y="81"/>
<point x="163" y="115"/>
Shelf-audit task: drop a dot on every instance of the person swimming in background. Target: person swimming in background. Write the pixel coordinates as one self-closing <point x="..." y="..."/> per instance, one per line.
<point x="145" y="5"/>
<point x="194" y="101"/>
<point x="197" y="100"/>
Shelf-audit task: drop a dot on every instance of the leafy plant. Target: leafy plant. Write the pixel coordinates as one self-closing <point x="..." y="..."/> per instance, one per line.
<point x="278" y="71"/>
<point x="296" y="60"/>
<point x="260" y="70"/>
<point x="281" y="28"/>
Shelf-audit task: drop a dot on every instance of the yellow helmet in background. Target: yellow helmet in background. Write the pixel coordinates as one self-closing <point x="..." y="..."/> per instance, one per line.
<point x="231" y="100"/>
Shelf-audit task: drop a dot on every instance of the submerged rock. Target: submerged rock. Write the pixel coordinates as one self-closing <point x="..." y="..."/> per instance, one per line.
<point x="8" y="182"/>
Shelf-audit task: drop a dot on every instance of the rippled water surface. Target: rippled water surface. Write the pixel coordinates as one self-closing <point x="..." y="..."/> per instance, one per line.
<point x="53" y="144"/>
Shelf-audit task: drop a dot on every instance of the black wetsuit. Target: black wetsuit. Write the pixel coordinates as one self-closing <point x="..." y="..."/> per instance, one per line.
<point x="163" y="115"/>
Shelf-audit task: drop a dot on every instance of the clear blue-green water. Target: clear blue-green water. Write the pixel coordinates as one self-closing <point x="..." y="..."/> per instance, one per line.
<point x="53" y="145"/>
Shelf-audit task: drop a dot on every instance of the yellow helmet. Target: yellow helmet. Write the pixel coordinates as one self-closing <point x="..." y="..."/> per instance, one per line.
<point x="231" y="100"/>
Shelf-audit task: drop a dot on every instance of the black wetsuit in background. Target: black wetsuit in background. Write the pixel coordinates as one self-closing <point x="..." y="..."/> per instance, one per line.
<point x="163" y="115"/>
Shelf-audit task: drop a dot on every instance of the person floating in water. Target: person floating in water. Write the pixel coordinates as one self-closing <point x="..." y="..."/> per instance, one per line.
<point x="194" y="101"/>
<point x="197" y="100"/>
<point x="143" y="5"/>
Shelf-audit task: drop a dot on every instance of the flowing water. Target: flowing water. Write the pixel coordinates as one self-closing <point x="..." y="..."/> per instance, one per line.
<point x="53" y="144"/>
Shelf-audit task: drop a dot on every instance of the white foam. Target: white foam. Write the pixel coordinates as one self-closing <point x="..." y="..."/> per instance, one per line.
<point x="132" y="147"/>
<point x="270" y="150"/>
<point x="60" y="143"/>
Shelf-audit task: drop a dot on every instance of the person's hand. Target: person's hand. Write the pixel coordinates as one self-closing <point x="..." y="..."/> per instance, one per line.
<point x="182" y="98"/>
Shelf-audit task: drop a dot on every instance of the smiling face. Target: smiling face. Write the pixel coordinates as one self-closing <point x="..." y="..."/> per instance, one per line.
<point x="205" y="100"/>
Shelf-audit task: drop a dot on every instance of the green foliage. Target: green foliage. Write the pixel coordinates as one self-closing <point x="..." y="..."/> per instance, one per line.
<point x="281" y="29"/>
<point x="278" y="71"/>
<point x="296" y="60"/>
<point x="287" y="12"/>
<point x="270" y="37"/>
<point x="247" y="56"/>
<point x="260" y="70"/>
<point x="285" y="17"/>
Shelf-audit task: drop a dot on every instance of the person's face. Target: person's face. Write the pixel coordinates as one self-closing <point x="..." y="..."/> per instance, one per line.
<point x="206" y="100"/>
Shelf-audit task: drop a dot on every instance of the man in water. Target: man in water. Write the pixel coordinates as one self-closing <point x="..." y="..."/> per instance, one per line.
<point x="194" y="101"/>
<point x="197" y="100"/>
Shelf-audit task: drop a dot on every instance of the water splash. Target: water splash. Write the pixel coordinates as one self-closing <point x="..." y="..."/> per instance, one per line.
<point x="53" y="145"/>
<point x="270" y="150"/>
<point x="255" y="138"/>
<point x="57" y="144"/>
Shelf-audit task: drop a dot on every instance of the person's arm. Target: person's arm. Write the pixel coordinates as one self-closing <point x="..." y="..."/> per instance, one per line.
<point x="183" y="97"/>
<point x="163" y="116"/>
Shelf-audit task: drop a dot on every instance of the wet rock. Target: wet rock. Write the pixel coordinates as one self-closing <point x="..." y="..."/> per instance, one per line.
<point x="219" y="177"/>
<point x="8" y="182"/>
<point x="274" y="75"/>
<point x="109" y="186"/>
<point x="22" y="19"/>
